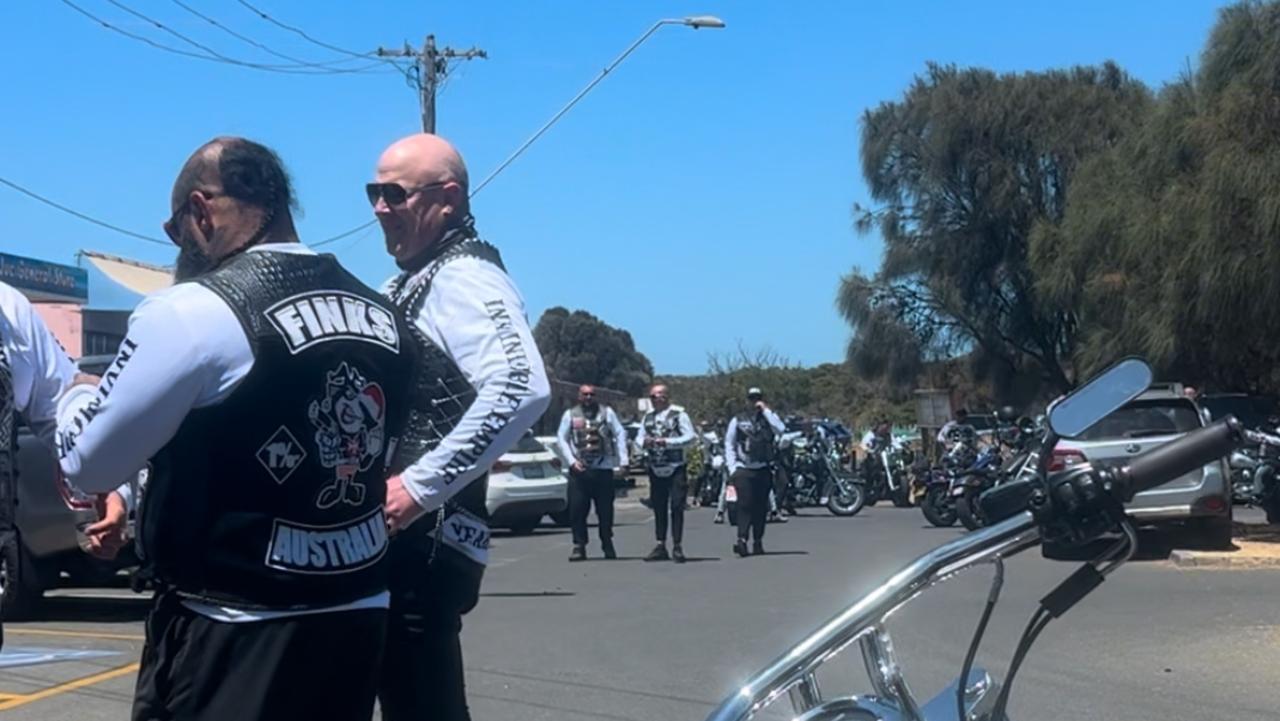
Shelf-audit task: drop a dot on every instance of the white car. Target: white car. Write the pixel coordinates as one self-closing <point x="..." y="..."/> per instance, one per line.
<point x="525" y="484"/>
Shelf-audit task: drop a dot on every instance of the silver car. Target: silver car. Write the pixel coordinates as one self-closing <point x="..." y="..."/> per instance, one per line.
<point x="1201" y="499"/>
<point x="47" y="514"/>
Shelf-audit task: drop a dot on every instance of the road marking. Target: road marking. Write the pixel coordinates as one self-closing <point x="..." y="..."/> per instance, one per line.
<point x="69" y="686"/>
<point x="74" y="634"/>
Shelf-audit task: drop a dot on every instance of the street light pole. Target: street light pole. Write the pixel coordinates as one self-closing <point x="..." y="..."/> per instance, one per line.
<point x="695" y="22"/>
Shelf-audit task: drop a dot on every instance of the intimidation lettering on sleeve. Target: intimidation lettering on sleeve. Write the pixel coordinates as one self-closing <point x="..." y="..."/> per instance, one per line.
<point x="67" y="438"/>
<point x="514" y="392"/>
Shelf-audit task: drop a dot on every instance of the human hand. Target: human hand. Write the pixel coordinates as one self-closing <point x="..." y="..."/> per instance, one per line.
<point x="578" y="466"/>
<point x="400" y="507"/>
<point x="106" y="536"/>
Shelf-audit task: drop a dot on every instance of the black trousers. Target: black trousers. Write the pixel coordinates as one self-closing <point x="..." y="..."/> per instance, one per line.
<point x="753" y="486"/>
<point x="320" y="666"/>
<point x="422" y="676"/>
<point x="591" y="486"/>
<point x="668" y="495"/>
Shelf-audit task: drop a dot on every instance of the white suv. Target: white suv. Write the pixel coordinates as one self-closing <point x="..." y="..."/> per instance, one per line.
<point x="1201" y="498"/>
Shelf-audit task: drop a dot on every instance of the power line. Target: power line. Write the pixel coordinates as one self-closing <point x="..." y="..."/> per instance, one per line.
<point x="178" y="51"/>
<point x="328" y="46"/>
<point x="331" y="64"/>
<point x="82" y="216"/>
<point x="344" y="234"/>
<point x="150" y="239"/>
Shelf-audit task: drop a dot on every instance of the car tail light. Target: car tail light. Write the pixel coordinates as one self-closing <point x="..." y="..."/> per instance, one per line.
<point x="1214" y="504"/>
<point x="555" y="463"/>
<point x="501" y="466"/>
<point x="1066" y="458"/>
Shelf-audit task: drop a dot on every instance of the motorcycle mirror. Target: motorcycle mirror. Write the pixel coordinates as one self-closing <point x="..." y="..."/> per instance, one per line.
<point x="1106" y="393"/>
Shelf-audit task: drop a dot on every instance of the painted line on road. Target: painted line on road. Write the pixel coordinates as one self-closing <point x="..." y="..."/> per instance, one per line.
<point x="75" y="634"/>
<point x="69" y="686"/>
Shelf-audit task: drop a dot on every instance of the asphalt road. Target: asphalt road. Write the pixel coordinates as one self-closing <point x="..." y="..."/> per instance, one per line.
<point x="631" y="641"/>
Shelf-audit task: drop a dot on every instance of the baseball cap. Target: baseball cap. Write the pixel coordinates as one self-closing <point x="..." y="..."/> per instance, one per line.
<point x="753" y="391"/>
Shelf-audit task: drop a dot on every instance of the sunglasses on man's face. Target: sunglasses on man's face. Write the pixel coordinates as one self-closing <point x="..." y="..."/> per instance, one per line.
<point x="395" y="193"/>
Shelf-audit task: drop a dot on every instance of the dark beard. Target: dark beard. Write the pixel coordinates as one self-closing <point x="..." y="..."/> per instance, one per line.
<point x="192" y="263"/>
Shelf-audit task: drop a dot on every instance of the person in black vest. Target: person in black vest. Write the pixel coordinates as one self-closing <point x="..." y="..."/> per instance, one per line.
<point x="594" y="444"/>
<point x="750" y="445"/>
<point x="267" y="389"/>
<point x="34" y="371"/>
<point x="486" y="387"/>
<point x="664" y="434"/>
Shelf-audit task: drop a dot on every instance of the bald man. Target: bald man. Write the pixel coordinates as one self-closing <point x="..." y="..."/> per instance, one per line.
<point x="664" y="434"/>
<point x="265" y="389"/>
<point x="487" y="387"/>
<point x="594" y="444"/>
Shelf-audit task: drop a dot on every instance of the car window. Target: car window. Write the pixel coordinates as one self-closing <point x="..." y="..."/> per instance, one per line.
<point x="1145" y="418"/>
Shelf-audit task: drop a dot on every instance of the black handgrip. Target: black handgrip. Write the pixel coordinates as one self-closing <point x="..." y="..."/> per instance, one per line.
<point x="1161" y="465"/>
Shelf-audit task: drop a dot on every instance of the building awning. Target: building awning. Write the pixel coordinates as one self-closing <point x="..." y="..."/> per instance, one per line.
<point x="141" y="278"/>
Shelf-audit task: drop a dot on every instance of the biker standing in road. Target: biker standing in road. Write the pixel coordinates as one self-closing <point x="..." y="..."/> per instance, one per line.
<point x="34" y="370"/>
<point x="595" y="446"/>
<point x="486" y="385"/>
<point x="664" y="434"/>
<point x="750" y="446"/>
<point x="266" y="389"/>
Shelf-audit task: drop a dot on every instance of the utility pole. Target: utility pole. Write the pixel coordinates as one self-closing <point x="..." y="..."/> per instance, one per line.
<point x="433" y="67"/>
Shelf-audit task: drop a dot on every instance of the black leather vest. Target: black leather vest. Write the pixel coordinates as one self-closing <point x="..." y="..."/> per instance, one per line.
<point x="591" y="435"/>
<point x="273" y="497"/>
<point x="440" y="397"/>
<point x="668" y="428"/>
<point x="755" y="438"/>
<point x="8" y="442"/>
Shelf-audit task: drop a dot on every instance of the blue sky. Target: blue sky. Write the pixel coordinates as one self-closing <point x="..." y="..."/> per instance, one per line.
<point x="699" y="197"/>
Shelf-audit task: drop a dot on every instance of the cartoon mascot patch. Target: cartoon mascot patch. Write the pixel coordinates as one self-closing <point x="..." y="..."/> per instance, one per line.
<point x="350" y="428"/>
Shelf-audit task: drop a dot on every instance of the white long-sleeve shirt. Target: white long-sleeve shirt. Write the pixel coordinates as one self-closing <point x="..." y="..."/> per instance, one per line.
<point x="686" y="436"/>
<point x="185" y="349"/>
<point x="569" y="449"/>
<point x="474" y="312"/>
<point x="41" y="368"/>
<point x="731" y="459"/>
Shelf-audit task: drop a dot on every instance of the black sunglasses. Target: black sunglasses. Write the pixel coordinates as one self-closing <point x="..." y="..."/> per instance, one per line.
<point x="395" y="193"/>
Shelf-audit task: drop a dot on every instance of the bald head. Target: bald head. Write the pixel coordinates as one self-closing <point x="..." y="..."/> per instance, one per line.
<point x="659" y="397"/>
<point x="423" y="158"/>
<point x="431" y="172"/>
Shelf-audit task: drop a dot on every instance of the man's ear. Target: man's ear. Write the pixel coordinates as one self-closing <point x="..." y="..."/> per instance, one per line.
<point x="201" y="210"/>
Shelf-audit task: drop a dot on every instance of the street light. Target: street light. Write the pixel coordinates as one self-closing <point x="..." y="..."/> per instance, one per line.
<point x="696" y="22"/>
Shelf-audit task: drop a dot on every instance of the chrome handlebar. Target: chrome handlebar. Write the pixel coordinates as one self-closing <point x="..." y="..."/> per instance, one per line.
<point x="795" y="670"/>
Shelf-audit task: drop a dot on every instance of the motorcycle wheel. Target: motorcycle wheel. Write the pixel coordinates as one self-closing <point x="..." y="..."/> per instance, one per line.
<point x="901" y="497"/>
<point x="968" y="511"/>
<point x="937" y="507"/>
<point x="1272" y="507"/>
<point x="849" y="498"/>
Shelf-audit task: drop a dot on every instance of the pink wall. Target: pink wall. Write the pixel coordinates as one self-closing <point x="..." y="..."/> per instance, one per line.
<point x="65" y="322"/>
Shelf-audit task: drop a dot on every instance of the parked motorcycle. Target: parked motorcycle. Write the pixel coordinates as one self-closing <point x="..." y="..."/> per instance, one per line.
<point x="714" y="474"/>
<point x="938" y="505"/>
<point x="813" y="470"/>
<point x="1259" y="485"/>
<point x="1072" y="507"/>
<point x="993" y="467"/>
<point x="886" y="473"/>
